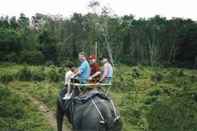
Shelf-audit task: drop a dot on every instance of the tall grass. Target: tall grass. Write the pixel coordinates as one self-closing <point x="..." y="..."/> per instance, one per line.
<point x="32" y="73"/>
<point x="17" y="113"/>
<point x="149" y="99"/>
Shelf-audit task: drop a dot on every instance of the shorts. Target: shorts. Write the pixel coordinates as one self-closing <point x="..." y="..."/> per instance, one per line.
<point x="81" y="81"/>
<point x="108" y="80"/>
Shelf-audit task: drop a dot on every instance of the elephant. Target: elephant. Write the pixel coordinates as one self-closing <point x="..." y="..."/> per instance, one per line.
<point x="93" y="112"/>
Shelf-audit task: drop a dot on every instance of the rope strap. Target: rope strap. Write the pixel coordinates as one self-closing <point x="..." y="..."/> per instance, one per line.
<point x="115" y="111"/>
<point x="103" y="120"/>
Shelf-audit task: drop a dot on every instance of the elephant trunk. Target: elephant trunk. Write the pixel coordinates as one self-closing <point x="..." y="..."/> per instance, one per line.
<point x="59" y="116"/>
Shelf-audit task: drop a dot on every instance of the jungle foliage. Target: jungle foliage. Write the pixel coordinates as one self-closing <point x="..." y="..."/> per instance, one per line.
<point x="52" y="39"/>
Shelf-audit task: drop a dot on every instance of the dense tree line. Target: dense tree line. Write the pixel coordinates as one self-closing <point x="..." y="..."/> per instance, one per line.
<point x="45" y="39"/>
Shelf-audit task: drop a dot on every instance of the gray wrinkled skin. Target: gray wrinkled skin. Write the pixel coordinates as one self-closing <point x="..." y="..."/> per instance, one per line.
<point x="84" y="117"/>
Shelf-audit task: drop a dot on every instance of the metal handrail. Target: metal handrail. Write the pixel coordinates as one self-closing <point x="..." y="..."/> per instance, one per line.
<point x="90" y="84"/>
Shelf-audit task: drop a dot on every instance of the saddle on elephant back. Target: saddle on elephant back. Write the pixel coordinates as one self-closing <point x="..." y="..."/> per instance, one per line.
<point x="86" y="87"/>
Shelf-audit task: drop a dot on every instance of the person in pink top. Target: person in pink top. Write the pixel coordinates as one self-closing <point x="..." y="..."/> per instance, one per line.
<point x="107" y="74"/>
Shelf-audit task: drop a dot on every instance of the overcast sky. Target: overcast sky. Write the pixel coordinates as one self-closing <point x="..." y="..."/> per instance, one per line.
<point x="139" y="8"/>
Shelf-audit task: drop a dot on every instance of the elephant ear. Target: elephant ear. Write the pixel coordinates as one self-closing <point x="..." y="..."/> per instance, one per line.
<point x="64" y="103"/>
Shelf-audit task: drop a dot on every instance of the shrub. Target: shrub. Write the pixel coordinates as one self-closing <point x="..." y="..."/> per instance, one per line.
<point x="134" y="113"/>
<point x="53" y="74"/>
<point x="10" y="106"/>
<point x="49" y="63"/>
<point x="136" y="72"/>
<point x="32" y="57"/>
<point x="11" y="57"/>
<point x="193" y="78"/>
<point x="25" y="73"/>
<point x="155" y="92"/>
<point x="38" y="74"/>
<point x="7" y="77"/>
<point x="181" y="73"/>
<point x="18" y="114"/>
<point x="177" y="73"/>
<point x="173" y="114"/>
<point x="157" y="77"/>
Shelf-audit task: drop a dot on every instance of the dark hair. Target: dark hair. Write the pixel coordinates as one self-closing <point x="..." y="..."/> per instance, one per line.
<point x="106" y="57"/>
<point x="82" y="53"/>
<point x="70" y="65"/>
<point x="100" y="58"/>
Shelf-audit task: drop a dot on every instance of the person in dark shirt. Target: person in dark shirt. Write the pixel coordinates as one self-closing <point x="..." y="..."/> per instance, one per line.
<point x="94" y="70"/>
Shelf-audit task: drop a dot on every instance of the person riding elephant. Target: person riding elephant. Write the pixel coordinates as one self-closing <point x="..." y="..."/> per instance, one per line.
<point x="107" y="71"/>
<point x="67" y="81"/>
<point x="95" y="69"/>
<point x="83" y="72"/>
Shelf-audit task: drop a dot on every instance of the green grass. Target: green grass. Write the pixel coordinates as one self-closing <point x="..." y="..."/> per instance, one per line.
<point x="43" y="91"/>
<point x="17" y="113"/>
<point x="149" y="99"/>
